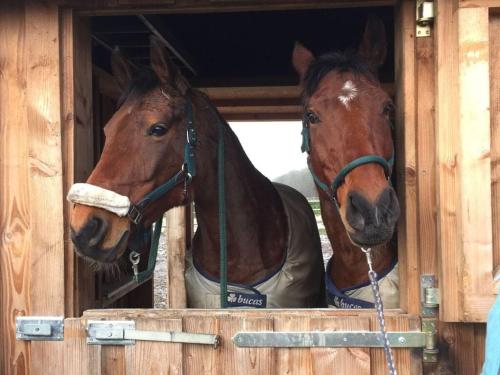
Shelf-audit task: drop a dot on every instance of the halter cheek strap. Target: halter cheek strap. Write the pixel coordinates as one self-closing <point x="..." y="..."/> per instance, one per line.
<point x="331" y="190"/>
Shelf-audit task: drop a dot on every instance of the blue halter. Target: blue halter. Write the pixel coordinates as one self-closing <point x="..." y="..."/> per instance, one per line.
<point x="331" y="191"/>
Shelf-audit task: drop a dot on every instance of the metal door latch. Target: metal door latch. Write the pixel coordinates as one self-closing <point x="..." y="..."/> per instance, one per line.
<point x="123" y="332"/>
<point x="40" y="328"/>
<point x="424" y="17"/>
<point x="429" y="298"/>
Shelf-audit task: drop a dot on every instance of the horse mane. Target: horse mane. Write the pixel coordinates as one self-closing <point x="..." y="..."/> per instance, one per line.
<point x="339" y="61"/>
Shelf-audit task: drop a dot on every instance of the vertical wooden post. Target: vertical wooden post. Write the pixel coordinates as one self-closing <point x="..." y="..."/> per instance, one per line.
<point x="475" y="160"/>
<point x="406" y="155"/>
<point x="15" y="219"/>
<point x="176" y="254"/>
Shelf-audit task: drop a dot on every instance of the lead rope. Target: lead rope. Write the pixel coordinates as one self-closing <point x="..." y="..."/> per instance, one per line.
<point x="380" y="311"/>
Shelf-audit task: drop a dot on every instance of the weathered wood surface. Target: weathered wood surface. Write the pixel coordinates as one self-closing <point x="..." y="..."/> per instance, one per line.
<point x="32" y="230"/>
<point x="405" y="144"/>
<point x="494" y="32"/>
<point x="229" y="359"/>
<point x="176" y="253"/>
<point x="475" y="161"/>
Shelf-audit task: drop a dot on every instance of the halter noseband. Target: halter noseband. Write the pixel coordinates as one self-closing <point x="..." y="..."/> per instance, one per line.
<point x="185" y="174"/>
<point x="331" y="191"/>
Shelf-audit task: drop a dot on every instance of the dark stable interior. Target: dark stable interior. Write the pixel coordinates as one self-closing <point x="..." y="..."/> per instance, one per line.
<point x="239" y="49"/>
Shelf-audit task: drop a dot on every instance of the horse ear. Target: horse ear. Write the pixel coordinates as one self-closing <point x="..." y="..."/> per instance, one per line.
<point x="301" y="59"/>
<point x="162" y="65"/>
<point x="373" y="47"/>
<point x="121" y="68"/>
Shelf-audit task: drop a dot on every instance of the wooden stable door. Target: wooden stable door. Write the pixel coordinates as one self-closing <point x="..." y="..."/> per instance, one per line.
<point x="147" y="357"/>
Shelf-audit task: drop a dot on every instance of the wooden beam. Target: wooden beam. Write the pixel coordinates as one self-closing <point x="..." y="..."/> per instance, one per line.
<point x="479" y="3"/>
<point x="475" y="162"/>
<point x="448" y="199"/>
<point x="160" y="31"/>
<point x="406" y="167"/>
<point x="176" y="254"/>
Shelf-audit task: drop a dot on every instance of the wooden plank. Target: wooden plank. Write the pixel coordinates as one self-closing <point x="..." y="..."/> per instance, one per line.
<point x="406" y="156"/>
<point x="113" y="360"/>
<point x="254" y="360"/>
<point x="494" y="32"/>
<point x="82" y="144"/>
<point x="149" y="357"/>
<point x="176" y="253"/>
<point x="201" y="359"/>
<point x="67" y="118"/>
<point x="479" y="3"/>
<point x="47" y="251"/>
<point x="15" y="220"/>
<point x="293" y="360"/>
<point x="79" y="358"/>
<point x="447" y="148"/>
<point x="114" y="7"/>
<point x="406" y="360"/>
<point x="474" y="158"/>
<point x="340" y="361"/>
<point x="426" y="157"/>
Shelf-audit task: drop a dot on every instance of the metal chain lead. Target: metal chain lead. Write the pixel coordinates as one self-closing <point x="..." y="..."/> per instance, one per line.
<point x="380" y="312"/>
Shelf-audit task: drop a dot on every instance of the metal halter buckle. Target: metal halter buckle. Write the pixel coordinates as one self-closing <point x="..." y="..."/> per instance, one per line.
<point x="134" y="214"/>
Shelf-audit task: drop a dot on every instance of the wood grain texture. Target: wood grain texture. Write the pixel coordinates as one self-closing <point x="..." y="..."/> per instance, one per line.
<point x="447" y="149"/>
<point x="293" y="360"/>
<point x="15" y="218"/>
<point x="79" y="358"/>
<point x="201" y="359"/>
<point x="406" y="167"/>
<point x="494" y="40"/>
<point x="351" y="361"/>
<point x="475" y="161"/>
<point x="159" y="358"/>
<point x="176" y="253"/>
<point x="426" y="157"/>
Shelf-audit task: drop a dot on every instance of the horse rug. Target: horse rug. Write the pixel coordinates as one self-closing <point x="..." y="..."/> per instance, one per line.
<point x="298" y="283"/>
<point x="361" y="296"/>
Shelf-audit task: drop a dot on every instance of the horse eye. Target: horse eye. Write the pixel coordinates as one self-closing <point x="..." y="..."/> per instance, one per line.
<point x="312" y="117"/>
<point x="157" y="130"/>
<point x="388" y="109"/>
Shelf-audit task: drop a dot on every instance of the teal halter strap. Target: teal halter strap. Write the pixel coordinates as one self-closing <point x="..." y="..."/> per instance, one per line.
<point x="331" y="190"/>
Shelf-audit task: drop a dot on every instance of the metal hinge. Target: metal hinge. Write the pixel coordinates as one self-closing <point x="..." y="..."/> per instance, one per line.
<point x="327" y="339"/>
<point x="429" y="298"/>
<point x="40" y="328"/>
<point x="123" y="332"/>
<point x="424" y="17"/>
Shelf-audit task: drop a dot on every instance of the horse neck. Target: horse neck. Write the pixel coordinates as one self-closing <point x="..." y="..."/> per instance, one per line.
<point x="256" y="221"/>
<point x="349" y="266"/>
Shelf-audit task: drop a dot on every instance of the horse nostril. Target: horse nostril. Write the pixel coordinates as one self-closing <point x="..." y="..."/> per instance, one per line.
<point x="388" y="207"/>
<point x="90" y="234"/>
<point x="354" y="211"/>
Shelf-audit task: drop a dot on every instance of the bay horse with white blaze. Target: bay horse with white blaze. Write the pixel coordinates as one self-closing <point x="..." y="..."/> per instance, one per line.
<point x="347" y="134"/>
<point x="161" y="151"/>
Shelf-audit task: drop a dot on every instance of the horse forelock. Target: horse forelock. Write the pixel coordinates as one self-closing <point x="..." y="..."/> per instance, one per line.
<point x="341" y="62"/>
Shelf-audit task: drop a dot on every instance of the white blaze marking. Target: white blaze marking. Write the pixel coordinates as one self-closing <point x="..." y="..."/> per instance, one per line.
<point x="348" y="93"/>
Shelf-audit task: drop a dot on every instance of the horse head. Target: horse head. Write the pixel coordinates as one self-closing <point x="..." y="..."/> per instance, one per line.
<point x="347" y="133"/>
<point x="145" y="146"/>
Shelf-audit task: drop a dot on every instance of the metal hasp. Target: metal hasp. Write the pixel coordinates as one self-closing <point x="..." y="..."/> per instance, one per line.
<point x="327" y="339"/>
<point x="123" y="332"/>
<point x="40" y="328"/>
<point x="424" y="17"/>
<point x="429" y="299"/>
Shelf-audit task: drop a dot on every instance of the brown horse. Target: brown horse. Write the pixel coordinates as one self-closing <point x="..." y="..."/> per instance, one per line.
<point x="272" y="240"/>
<point x="347" y="133"/>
